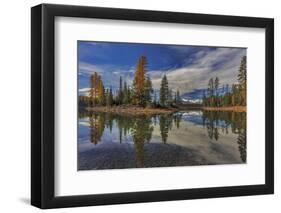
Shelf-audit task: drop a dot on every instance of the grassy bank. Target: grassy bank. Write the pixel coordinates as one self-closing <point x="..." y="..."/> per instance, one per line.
<point x="229" y="108"/>
<point x="133" y="110"/>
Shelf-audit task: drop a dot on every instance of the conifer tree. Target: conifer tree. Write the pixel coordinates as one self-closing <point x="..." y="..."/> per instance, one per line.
<point x="109" y="101"/>
<point x="155" y="99"/>
<point x="139" y="82"/>
<point x="147" y="91"/>
<point x="216" y="88"/>
<point x="227" y="96"/>
<point x="211" y="92"/>
<point x="234" y="95"/>
<point x="93" y="92"/>
<point x="178" y="98"/>
<point x="129" y="95"/>
<point x="101" y="96"/>
<point x="125" y="94"/>
<point x="242" y="79"/>
<point x="120" y="93"/>
<point x="170" y="97"/>
<point x="164" y="91"/>
<point x="204" y="99"/>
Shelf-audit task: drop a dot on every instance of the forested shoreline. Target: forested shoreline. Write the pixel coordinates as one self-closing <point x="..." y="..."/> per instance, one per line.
<point x="227" y="97"/>
<point x="140" y="95"/>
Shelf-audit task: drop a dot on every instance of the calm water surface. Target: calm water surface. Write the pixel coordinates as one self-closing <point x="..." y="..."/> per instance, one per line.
<point x="112" y="141"/>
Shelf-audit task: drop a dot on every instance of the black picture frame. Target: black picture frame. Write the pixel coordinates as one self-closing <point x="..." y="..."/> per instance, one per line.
<point x="43" y="102"/>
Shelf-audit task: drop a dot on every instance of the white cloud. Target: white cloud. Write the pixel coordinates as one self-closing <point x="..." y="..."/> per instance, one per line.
<point x="87" y="68"/>
<point x="84" y="89"/>
<point x="222" y="62"/>
<point x="201" y="66"/>
<point x="109" y="73"/>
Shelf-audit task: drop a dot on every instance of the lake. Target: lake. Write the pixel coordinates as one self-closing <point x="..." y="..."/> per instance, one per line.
<point x="185" y="138"/>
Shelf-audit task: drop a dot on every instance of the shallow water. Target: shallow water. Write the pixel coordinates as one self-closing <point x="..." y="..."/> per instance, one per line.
<point x="187" y="138"/>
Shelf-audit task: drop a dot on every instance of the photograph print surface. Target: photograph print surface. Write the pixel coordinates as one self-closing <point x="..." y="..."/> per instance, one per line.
<point x="160" y="105"/>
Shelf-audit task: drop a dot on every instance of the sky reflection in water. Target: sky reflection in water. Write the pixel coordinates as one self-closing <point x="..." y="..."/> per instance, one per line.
<point x="112" y="141"/>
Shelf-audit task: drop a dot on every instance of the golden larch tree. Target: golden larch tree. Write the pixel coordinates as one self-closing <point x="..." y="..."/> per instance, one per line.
<point x="94" y="88"/>
<point x="139" y="81"/>
<point x="101" y="95"/>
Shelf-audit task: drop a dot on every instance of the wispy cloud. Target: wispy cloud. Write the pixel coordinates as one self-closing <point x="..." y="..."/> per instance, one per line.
<point x="84" y="91"/>
<point x="87" y="68"/>
<point x="109" y="73"/>
<point x="187" y="67"/>
<point x="222" y="62"/>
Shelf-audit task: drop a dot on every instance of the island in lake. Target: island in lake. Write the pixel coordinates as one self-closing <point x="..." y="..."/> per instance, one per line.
<point x="158" y="105"/>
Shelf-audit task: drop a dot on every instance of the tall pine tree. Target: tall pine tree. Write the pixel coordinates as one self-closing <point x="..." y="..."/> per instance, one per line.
<point x="242" y="79"/>
<point x="216" y="88"/>
<point x="125" y="94"/>
<point x="211" y="92"/>
<point x="120" y="92"/>
<point x="178" y="98"/>
<point x="147" y="91"/>
<point x="109" y="101"/>
<point x="101" y="96"/>
<point x="164" y="92"/>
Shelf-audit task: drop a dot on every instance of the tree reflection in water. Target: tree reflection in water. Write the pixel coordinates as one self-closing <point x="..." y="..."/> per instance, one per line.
<point x="165" y="124"/>
<point x="235" y="121"/>
<point x="141" y="127"/>
<point x="141" y="132"/>
<point x="97" y="124"/>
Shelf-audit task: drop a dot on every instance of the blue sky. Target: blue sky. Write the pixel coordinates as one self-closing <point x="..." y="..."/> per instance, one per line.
<point x="188" y="68"/>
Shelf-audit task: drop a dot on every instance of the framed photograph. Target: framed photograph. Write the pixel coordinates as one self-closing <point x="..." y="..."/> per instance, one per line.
<point x="139" y="106"/>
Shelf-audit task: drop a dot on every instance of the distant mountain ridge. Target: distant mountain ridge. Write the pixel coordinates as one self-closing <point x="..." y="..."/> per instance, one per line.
<point x="196" y="95"/>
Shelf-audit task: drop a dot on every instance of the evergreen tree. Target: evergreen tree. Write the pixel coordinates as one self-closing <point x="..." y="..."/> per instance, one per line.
<point x="83" y="101"/>
<point x="155" y="99"/>
<point x="91" y="91"/>
<point x="129" y="95"/>
<point x="106" y="93"/>
<point x="216" y="88"/>
<point x="164" y="91"/>
<point x="125" y="94"/>
<point x="178" y="98"/>
<point x="227" y="101"/>
<point x="147" y="91"/>
<point x="211" y="92"/>
<point x="120" y="93"/>
<point x="204" y="99"/>
<point x="234" y="95"/>
<point x="211" y="87"/>
<point x="109" y="101"/>
<point x="101" y="96"/>
<point x="170" y="98"/>
<point x="242" y="79"/>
